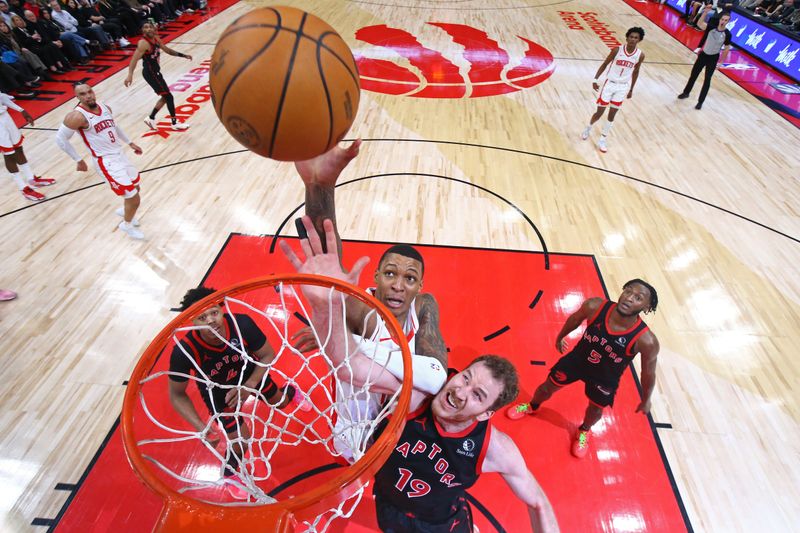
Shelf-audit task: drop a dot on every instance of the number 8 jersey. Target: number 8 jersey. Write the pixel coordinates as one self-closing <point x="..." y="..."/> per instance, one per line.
<point x="101" y="136"/>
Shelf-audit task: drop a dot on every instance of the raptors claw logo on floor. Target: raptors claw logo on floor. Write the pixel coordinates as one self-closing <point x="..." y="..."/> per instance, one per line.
<point x="433" y="75"/>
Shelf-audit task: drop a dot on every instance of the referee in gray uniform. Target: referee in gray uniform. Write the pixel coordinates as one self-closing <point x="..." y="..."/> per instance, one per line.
<point x="708" y="52"/>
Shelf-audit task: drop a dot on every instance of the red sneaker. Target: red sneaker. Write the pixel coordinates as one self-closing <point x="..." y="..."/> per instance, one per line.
<point x="6" y="295"/>
<point x="517" y="411"/>
<point x="39" y="181"/>
<point x="580" y="446"/>
<point x="33" y="196"/>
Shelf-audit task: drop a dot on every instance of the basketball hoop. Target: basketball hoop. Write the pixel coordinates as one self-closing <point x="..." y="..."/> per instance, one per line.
<point x="178" y="463"/>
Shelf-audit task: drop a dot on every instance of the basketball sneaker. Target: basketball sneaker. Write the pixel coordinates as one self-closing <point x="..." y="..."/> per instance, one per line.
<point x="580" y="446"/>
<point x="601" y="144"/>
<point x="39" y="181"/>
<point x="33" y="196"/>
<point x="585" y="133"/>
<point x="121" y="213"/>
<point x="151" y="123"/>
<point x="515" y="412"/>
<point x="180" y="126"/>
<point x="132" y="232"/>
<point x="6" y="295"/>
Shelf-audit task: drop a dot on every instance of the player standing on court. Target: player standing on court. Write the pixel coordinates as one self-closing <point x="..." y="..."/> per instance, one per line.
<point x="149" y="51"/>
<point x="620" y="79"/>
<point x="104" y="138"/>
<point x="13" y="154"/>
<point x="613" y="336"/>
<point x="448" y="441"/>
<point x="398" y="282"/>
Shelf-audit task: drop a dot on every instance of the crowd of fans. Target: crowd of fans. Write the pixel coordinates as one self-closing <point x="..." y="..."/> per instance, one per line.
<point x="783" y="14"/>
<point x="40" y="39"/>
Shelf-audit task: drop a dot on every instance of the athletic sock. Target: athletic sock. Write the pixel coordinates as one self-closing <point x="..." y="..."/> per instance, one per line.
<point x="153" y="114"/>
<point x="18" y="180"/>
<point x="607" y="128"/>
<point x="25" y="169"/>
<point x="535" y="406"/>
<point x="584" y="428"/>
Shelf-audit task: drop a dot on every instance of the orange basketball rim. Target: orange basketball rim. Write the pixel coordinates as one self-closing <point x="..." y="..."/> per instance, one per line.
<point x="183" y="513"/>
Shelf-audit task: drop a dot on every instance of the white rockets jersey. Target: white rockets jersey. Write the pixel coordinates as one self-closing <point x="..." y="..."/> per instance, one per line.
<point x="621" y="68"/>
<point x="381" y="333"/>
<point x="101" y="135"/>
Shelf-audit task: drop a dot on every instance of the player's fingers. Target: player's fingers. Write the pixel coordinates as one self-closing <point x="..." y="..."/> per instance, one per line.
<point x="300" y="332"/>
<point x="355" y="272"/>
<point x="330" y="237"/>
<point x="313" y="237"/>
<point x="290" y="255"/>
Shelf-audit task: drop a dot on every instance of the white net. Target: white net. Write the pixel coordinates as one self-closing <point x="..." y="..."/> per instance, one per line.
<point x="263" y="438"/>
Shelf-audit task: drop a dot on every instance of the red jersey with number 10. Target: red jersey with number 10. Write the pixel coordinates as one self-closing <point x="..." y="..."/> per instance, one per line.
<point x="608" y="352"/>
<point x="101" y="136"/>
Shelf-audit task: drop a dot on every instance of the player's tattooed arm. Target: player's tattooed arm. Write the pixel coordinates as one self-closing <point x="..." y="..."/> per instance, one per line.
<point x="319" y="176"/>
<point x="429" y="340"/>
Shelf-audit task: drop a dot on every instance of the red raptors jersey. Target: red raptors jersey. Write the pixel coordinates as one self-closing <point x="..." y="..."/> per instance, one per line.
<point x="608" y="353"/>
<point x="429" y="470"/>
<point x="101" y="135"/>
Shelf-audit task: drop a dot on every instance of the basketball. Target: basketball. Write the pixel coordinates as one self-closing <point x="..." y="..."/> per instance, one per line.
<point x="284" y="83"/>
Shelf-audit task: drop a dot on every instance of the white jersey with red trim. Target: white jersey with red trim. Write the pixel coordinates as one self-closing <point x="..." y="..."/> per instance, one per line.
<point x="101" y="136"/>
<point x="621" y="68"/>
<point x="357" y="408"/>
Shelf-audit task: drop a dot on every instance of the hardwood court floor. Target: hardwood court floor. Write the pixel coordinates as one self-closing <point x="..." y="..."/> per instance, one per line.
<point x="704" y="205"/>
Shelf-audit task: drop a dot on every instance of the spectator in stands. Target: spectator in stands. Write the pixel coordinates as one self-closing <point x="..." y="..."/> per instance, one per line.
<point x="88" y="15"/>
<point x="122" y="14"/>
<point x="48" y="52"/>
<point x="31" y="60"/>
<point x="783" y="13"/>
<point x="70" y="24"/>
<point x="76" y="47"/>
<point x="12" y="83"/>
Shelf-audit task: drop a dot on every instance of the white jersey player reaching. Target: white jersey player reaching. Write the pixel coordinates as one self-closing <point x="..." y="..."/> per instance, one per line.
<point x="398" y="281"/>
<point x="621" y="69"/>
<point x="105" y="139"/>
<point x="13" y="154"/>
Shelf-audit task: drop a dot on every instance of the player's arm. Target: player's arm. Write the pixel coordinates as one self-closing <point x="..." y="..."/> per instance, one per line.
<point x="170" y="51"/>
<point x="123" y="137"/>
<point x="726" y="46"/>
<point x="648" y="346"/>
<point x="141" y="49"/>
<point x="503" y="457"/>
<point x="586" y="310"/>
<point x="429" y="340"/>
<point x="183" y="404"/>
<point x="72" y="123"/>
<point x="635" y="74"/>
<point x="607" y="61"/>
<point x="319" y="176"/>
<point x="9" y="103"/>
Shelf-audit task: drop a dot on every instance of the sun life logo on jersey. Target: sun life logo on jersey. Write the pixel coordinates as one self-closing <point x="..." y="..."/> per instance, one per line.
<point x="397" y="63"/>
<point x="467" y="448"/>
<point x="622" y="341"/>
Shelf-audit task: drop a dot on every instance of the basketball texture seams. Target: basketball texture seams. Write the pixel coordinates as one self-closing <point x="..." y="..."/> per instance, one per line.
<point x="284" y="83"/>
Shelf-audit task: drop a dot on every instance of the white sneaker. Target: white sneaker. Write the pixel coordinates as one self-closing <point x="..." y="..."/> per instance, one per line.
<point x="585" y="133"/>
<point x="601" y="144"/>
<point x="123" y="42"/>
<point x="150" y="123"/>
<point x="180" y="126"/>
<point x="132" y="232"/>
<point x="121" y="213"/>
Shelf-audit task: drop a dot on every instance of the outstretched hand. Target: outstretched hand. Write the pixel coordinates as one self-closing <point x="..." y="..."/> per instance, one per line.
<point x="325" y="169"/>
<point x="644" y="407"/>
<point x="319" y="262"/>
